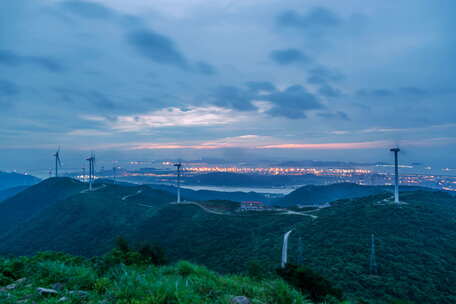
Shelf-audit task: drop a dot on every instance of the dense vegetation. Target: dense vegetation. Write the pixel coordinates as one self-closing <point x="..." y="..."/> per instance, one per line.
<point x="86" y="223"/>
<point x="9" y="192"/>
<point x="319" y="194"/>
<point x="416" y="242"/>
<point x="26" y="204"/>
<point x="128" y="277"/>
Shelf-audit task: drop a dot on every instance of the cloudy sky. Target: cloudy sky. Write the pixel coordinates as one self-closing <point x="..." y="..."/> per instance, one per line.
<point x="326" y="79"/>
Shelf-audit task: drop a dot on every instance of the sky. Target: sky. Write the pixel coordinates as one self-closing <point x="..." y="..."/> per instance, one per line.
<point x="252" y="79"/>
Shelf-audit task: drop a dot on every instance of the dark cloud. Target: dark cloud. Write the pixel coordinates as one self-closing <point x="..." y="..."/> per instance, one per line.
<point x="257" y="86"/>
<point x="334" y="115"/>
<point x="293" y="102"/>
<point x="88" y="9"/>
<point x="12" y="59"/>
<point x="157" y="48"/>
<point x="83" y="98"/>
<point x="205" y="68"/>
<point x="322" y="75"/>
<point x="8" y="88"/>
<point x="329" y="91"/>
<point x="414" y="91"/>
<point x="289" y="56"/>
<point x="234" y="98"/>
<point x="316" y="18"/>
<point x="375" y="93"/>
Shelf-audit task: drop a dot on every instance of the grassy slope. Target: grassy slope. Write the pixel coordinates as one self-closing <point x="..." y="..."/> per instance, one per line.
<point x="34" y="199"/>
<point x="182" y="283"/>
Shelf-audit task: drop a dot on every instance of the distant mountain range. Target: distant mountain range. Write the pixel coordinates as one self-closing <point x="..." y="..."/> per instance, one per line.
<point x="12" y="179"/>
<point x="204" y="195"/>
<point x="254" y="180"/>
<point x="416" y="242"/>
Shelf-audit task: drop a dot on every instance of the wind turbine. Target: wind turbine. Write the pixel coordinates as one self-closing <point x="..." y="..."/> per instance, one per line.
<point x="178" y="166"/>
<point x="91" y="161"/>
<point x="58" y="162"/>
<point x="396" y="174"/>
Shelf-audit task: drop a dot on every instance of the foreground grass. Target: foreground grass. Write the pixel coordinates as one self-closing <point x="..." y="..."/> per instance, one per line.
<point x="77" y="280"/>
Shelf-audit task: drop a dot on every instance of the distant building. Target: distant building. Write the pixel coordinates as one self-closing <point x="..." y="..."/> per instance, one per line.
<point x="252" y="206"/>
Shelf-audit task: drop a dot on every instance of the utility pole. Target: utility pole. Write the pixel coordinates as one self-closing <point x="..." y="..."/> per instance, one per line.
<point x="178" y="165"/>
<point x="91" y="161"/>
<point x="396" y="174"/>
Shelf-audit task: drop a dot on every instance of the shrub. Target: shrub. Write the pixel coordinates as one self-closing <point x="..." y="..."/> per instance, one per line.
<point x="309" y="282"/>
<point x="153" y="254"/>
<point x="74" y="277"/>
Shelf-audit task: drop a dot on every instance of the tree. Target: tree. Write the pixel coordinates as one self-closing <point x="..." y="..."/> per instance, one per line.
<point x="308" y="281"/>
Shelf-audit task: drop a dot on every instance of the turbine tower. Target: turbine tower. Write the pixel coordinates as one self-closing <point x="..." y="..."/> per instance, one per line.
<point x="178" y="166"/>
<point x="285" y="249"/>
<point x="396" y="174"/>
<point x="372" y="261"/>
<point x="58" y="163"/>
<point x="91" y="161"/>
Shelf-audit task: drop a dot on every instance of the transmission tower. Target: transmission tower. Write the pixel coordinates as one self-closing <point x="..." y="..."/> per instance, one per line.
<point x="373" y="269"/>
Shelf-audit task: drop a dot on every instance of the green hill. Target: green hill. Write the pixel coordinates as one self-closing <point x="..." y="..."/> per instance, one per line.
<point x="13" y="179"/>
<point x="87" y="223"/>
<point x="416" y="242"/>
<point x="320" y="194"/>
<point x="205" y="195"/>
<point x="10" y="192"/>
<point x="34" y="199"/>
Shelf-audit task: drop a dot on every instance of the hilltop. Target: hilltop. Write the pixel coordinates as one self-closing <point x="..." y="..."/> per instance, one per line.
<point x="31" y="201"/>
<point x="416" y="250"/>
<point x="86" y="223"/>
<point x="321" y="194"/>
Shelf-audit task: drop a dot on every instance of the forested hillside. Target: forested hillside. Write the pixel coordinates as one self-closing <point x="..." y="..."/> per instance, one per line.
<point x="28" y="203"/>
<point x="415" y="242"/>
<point x="320" y="194"/>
